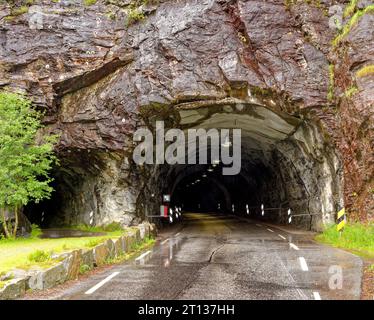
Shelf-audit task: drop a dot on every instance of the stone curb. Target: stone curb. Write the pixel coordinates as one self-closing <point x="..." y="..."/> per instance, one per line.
<point x="68" y="264"/>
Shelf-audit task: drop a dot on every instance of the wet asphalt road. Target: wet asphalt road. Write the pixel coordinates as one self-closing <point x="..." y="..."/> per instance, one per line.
<point x="223" y="257"/>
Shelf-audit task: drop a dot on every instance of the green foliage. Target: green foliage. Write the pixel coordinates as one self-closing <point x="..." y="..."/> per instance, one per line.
<point x="19" y="11"/>
<point x="356" y="236"/>
<point x="89" y="2"/>
<point x="25" y="157"/>
<point x="330" y="93"/>
<point x="350" y="8"/>
<point x="351" y="91"/>
<point x="39" y="256"/>
<point x="114" y="226"/>
<point x="365" y="71"/>
<point x="35" y="231"/>
<point x="84" y="268"/>
<point x="93" y="243"/>
<point x="351" y="23"/>
<point x="134" y="15"/>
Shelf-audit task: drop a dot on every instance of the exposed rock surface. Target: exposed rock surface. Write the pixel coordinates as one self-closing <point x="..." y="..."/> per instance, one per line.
<point x="99" y="79"/>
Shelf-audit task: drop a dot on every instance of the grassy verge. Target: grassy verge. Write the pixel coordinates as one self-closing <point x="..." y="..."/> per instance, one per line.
<point x="25" y="253"/>
<point x="356" y="237"/>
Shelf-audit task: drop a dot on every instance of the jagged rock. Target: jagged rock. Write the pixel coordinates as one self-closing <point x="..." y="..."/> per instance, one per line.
<point x="101" y="254"/>
<point x="88" y="258"/>
<point x="118" y="247"/>
<point x="45" y="279"/>
<point x="95" y="76"/>
<point x="72" y="264"/>
<point x="13" y="289"/>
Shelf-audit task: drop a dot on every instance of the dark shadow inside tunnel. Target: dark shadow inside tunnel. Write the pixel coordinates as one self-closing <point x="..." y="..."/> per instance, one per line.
<point x="287" y="164"/>
<point x="287" y="169"/>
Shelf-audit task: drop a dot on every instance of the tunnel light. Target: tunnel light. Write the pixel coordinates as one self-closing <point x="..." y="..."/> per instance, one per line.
<point x="210" y="169"/>
<point x="170" y="219"/>
<point x="262" y="207"/>
<point x="289" y="212"/>
<point x="233" y="208"/>
<point x="247" y="208"/>
<point x="290" y="219"/>
<point x="215" y="161"/>
<point x="204" y="175"/>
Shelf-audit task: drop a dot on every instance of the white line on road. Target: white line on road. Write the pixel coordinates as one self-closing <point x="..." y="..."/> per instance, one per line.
<point x="163" y="242"/>
<point x="281" y="237"/>
<point x="258" y="225"/>
<point x="101" y="283"/>
<point x="316" y="296"/>
<point x="176" y="235"/>
<point x="269" y="230"/>
<point x="143" y="255"/>
<point x="294" y="246"/>
<point x="303" y="264"/>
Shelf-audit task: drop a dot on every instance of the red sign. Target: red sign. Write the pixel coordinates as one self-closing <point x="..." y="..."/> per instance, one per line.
<point x="164" y="211"/>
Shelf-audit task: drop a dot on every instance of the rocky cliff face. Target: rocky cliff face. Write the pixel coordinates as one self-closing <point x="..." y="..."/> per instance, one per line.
<point x="100" y="71"/>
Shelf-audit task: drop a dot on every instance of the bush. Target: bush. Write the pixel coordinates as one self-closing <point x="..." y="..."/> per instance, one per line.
<point x="39" y="256"/>
<point x="114" y="226"/>
<point x="84" y="268"/>
<point x="35" y="231"/>
<point x="93" y="243"/>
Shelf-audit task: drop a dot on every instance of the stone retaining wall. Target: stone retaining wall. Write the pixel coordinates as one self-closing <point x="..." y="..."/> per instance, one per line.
<point x="68" y="264"/>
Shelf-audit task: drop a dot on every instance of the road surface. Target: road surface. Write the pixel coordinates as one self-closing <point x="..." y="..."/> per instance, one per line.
<point x="225" y="257"/>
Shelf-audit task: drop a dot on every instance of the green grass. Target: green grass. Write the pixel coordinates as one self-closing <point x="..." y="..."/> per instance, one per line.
<point x="134" y="15"/>
<point x="330" y="92"/>
<point x="350" y="8"/>
<point x="351" y="23"/>
<point x="365" y="71"/>
<point x="16" y="253"/>
<point x="89" y="2"/>
<point x="356" y="237"/>
<point x="351" y="91"/>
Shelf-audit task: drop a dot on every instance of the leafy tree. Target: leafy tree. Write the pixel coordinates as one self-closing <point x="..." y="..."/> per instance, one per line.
<point x="26" y="157"/>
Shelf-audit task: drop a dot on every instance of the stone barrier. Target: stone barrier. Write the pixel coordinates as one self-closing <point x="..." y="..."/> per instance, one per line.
<point x="68" y="265"/>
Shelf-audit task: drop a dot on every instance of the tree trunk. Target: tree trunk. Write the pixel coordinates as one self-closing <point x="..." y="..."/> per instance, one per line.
<point x="16" y="222"/>
<point x="5" y="226"/>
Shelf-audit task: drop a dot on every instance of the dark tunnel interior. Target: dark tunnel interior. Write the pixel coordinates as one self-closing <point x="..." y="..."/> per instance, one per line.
<point x="285" y="165"/>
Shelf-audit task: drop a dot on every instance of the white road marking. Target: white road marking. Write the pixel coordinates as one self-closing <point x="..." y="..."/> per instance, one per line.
<point x="269" y="230"/>
<point x="143" y="255"/>
<point x="293" y="246"/>
<point x="258" y="225"/>
<point x="316" y="295"/>
<point x="281" y="237"/>
<point x="101" y="283"/>
<point x="303" y="264"/>
<point x="163" y="242"/>
<point x="176" y="235"/>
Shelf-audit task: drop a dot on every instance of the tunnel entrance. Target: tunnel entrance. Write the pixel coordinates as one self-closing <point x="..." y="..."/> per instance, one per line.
<point x="286" y="164"/>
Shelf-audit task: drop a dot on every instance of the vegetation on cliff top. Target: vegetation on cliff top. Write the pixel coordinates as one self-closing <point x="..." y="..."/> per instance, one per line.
<point x="365" y="71"/>
<point x="352" y="22"/>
